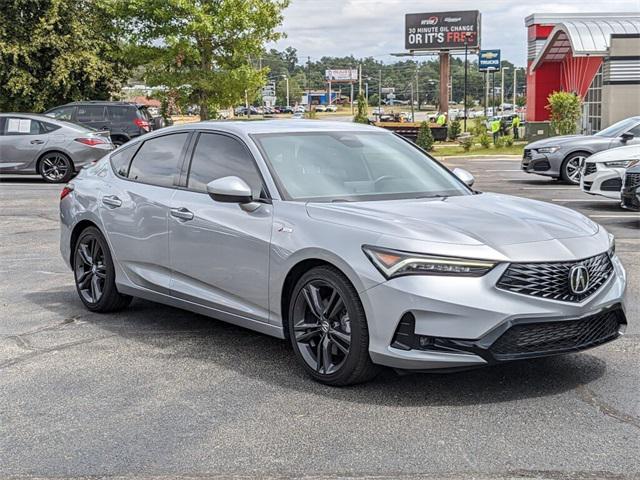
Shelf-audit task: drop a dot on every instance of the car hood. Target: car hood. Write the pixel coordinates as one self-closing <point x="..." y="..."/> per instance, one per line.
<point x="559" y="140"/>
<point x="630" y="152"/>
<point x="488" y="219"/>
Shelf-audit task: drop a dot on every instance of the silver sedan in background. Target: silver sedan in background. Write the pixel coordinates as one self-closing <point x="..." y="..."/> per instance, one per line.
<point x="353" y="244"/>
<point x="563" y="156"/>
<point x="54" y="149"/>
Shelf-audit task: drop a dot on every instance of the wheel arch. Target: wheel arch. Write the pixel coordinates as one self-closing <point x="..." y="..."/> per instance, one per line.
<point x="578" y="150"/>
<point x="78" y="228"/>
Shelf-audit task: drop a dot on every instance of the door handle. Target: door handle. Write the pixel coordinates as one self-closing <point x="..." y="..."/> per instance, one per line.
<point x="182" y="213"/>
<point x="37" y="142"/>
<point x="112" y="201"/>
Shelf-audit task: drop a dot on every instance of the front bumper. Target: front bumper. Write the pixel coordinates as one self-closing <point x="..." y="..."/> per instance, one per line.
<point x="630" y="198"/>
<point x="540" y="163"/>
<point x="461" y="318"/>
<point x="604" y="181"/>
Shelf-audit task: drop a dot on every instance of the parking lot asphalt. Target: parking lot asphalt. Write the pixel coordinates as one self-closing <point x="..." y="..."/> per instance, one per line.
<point x="155" y="392"/>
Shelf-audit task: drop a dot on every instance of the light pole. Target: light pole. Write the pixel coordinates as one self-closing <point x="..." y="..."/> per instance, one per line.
<point x="502" y="89"/>
<point x="515" y="87"/>
<point x="286" y="79"/>
<point x="464" y="93"/>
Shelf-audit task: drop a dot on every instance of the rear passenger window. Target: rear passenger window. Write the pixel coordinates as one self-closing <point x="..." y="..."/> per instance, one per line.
<point x="62" y="113"/>
<point x="22" y="126"/>
<point x="121" y="160"/>
<point x="120" y="113"/>
<point x="158" y="160"/>
<point x="90" y="113"/>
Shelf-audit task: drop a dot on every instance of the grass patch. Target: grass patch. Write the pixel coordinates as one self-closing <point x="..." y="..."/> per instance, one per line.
<point x="476" y="150"/>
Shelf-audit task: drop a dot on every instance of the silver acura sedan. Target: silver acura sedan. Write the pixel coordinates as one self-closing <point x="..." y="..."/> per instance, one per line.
<point x="350" y="242"/>
<point x="54" y="149"/>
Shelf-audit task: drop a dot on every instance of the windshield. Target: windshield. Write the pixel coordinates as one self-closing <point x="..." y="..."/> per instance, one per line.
<point x="353" y="166"/>
<point x="618" y="128"/>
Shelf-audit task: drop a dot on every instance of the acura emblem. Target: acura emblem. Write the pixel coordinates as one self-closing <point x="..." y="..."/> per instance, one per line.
<point x="578" y="279"/>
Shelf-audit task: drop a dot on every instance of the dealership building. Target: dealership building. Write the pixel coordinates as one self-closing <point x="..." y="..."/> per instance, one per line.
<point x="595" y="55"/>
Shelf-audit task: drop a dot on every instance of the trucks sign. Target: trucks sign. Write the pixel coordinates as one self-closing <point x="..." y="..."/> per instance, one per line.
<point x="489" y="60"/>
<point x="341" y="75"/>
<point x="442" y="30"/>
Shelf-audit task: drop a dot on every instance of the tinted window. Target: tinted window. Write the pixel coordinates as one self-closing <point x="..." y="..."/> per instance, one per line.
<point x="22" y="126"/>
<point x="120" y="113"/>
<point x="90" y="113"/>
<point x="49" y="127"/>
<point x="62" y="113"/>
<point x="635" y="131"/>
<point x="217" y="156"/>
<point x="121" y="159"/>
<point x="157" y="161"/>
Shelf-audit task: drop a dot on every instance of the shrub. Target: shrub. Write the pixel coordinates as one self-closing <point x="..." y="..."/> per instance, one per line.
<point x="508" y="140"/>
<point x="500" y="142"/>
<point x="479" y="126"/>
<point x="485" y="140"/>
<point x="311" y="115"/>
<point x="454" y="129"/>
<point x="362" y="114"/>
<point x="425" y="137"/>
<point x="565" y="108"/>
<point x="466" y="142"/>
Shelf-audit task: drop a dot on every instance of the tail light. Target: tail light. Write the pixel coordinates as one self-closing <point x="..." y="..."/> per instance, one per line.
<point x="66" y="190"/>
<point x="91" y="141"/>
<point x="143" y="124"/>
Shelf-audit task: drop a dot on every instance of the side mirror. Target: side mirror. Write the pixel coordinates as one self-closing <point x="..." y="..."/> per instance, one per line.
<point x="465" y="176"/>
<point x="230" y="190"/>
<point x="625" y="137"/>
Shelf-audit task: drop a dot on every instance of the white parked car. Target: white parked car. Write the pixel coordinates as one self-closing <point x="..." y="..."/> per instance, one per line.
<point x="602" y="172"/>
<point x="299" y="109"/>
<point x="320" y="108"/>
<point x="331" y="108"/>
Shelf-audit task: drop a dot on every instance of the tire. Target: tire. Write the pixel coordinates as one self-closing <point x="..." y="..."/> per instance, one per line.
<point x="329" y="334"/>
<point x="94" y="273"/>
<point x="118" y="141"/>
<point x="568" y="171"/>
<point x="55" y="167"/>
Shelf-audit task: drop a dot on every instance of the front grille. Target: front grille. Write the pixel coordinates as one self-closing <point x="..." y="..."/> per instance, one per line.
<point x="632" y="180"/>
<point x="541" y="166"/>
<point x="589" y="168"/>
<point x="551" y="280"/>
<point x="546" y="338"/>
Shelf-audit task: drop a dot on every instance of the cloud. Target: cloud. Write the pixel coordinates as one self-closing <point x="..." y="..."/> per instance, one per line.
<point x="375" y="28"/>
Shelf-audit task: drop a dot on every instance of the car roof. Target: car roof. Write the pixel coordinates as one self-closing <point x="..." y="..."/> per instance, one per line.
<point x="278" y="126"/>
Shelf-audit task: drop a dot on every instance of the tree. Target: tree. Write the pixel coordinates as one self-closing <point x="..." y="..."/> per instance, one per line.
<point x="425" y="137"/>
<point x="362" y="113"/>
<point x="56" y="51"/>
<point x="206" y="45"/>
<point x="565" y="108"/>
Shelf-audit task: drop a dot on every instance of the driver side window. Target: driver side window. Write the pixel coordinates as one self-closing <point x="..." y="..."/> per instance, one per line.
<point x="635" y="131"/>
<point x="217" y="156"/>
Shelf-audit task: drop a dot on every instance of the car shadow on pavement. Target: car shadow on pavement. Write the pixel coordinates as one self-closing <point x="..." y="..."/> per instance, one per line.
<point x="178" y="335"/>
<point x="23" y="179"/>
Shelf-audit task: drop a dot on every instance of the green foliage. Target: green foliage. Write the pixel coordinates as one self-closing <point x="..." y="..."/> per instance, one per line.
<point x="56" y="51"/>
<point x="466" y="142"/>
<point x="485" y="140"/>
<point x="425" y="137"/>
<point x="521" y="101"/>
<point x="565" y="108"/>
<point x="508" y="140"/>
<point x="311" y="115"/>
<point x="206" y="45"/>
<point x="362" y="112"/>
<point x="373" y="100"/>
<point x="479" y="127"/>
<point x="499" y="142"/>
<point x="455" y="129"/>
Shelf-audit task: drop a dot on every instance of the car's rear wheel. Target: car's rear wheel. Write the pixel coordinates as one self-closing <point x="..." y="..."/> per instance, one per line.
<point x="55" y="167"/>
<point x="95" y="274"/>
<point x="328" y="328"/>
<point x="571" y="170"/>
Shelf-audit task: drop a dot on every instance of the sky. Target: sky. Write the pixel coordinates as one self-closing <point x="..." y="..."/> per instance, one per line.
<point x="375" y="28"/>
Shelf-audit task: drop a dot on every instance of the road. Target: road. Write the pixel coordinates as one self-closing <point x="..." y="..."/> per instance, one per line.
<point x="155" y="392"/>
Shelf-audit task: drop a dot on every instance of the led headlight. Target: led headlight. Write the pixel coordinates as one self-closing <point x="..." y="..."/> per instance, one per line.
<point x="612" y="245"/>
<point x="618" y="164"/>
<point x="394" y="263"/>
<point x="548" y="149"/>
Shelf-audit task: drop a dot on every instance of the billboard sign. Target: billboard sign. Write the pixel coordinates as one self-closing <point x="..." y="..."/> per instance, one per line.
<point x="442" y="30"/>
<point x="489" y="60"/>
<point x="341" y="75"/>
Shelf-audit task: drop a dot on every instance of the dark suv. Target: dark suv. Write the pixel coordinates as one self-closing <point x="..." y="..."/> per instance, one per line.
<point x="123" y="120"/>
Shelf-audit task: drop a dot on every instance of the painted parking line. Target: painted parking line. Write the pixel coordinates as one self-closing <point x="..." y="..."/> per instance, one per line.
<point x="585" y="200"/>
<point x="549" y="188"/>
<point x="511" y="170"/>
<point x="623" y="215"/>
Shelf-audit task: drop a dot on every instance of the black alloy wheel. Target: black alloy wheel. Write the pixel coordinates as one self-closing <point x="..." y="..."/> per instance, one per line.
<point x="328" y="328"/>
<point x="55" y="167"/>
<point x="95" y="275"/>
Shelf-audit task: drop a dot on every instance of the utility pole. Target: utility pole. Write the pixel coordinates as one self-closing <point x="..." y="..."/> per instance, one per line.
<point x="308" y="84"/>
<point x="515" y="87"/>
<point x="486" y="94"/>
<point x="366" y="91"/>
<point x="286" y="79"/>
<point x="379" y="91"/>
<point x="417" y="88"/>
<point x="413" y="117"/>
<point x="360" y="79"/>
<point x="464" y="94"/>
<point x="502" y="69"/>
<point x="493" y="92"/>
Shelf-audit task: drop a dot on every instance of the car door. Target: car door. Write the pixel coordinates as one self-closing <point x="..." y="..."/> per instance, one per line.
<point x="220" y="252"/>
<point x="134" y="208"/>
<point x="21" y="142"/>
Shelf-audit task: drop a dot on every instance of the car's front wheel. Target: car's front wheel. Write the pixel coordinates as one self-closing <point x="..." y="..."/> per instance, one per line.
<point x="328" y="328"/>
<point x="95" y="274"/>
<point x="571" y="170"/>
